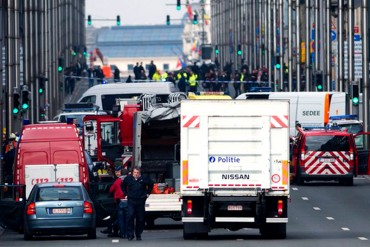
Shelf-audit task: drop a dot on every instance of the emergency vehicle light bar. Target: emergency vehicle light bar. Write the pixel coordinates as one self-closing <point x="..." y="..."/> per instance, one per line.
<point x="344" y="117"/>
<point x="321" y="128"/>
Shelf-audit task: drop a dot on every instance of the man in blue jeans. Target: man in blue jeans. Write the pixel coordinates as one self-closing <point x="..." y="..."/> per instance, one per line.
<point x="137" y="188"/>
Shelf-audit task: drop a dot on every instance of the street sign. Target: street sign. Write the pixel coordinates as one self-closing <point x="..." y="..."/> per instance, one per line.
<point x="356" y="29"/>
<point x="357" y="37"/>
<point x="333" y="35"/>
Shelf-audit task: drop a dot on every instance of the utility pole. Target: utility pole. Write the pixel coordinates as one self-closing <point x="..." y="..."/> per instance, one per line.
<point x="365" y="68"/>
<point x="298" y="44"/>
<point x="328" y="46"/>
<point x="308" y="62"/>
<point x="290" y="47"/>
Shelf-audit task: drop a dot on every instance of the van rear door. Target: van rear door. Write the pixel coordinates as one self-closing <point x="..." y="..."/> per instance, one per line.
<point x="35" y="174"/>
<point x="327" y="155"/>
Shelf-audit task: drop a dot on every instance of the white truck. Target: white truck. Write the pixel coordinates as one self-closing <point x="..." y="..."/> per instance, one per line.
<point x="234" y="166"/>
<point x="310" y="109"/>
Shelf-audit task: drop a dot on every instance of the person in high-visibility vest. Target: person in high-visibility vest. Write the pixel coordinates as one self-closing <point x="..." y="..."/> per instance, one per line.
<point x="156" y="76"/>
<point x="193" y="82"/>
<point x="164" y="76"/>
<point x="182" y="78"/>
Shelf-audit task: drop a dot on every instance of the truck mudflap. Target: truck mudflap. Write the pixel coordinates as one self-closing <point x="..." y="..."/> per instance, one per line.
<point x="12" y="206"/>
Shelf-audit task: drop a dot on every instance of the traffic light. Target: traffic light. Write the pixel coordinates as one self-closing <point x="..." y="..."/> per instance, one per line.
<point x="239" y="50"/>
<point x="89" y="22"/>
<point x="85" y="51"/>
<point x="41" y="85"/>
<point x="25" y="99"/>
<point x="60" y="64"/>
<point x="74" y="51"/>
<point x="195" y="19"/>
<point x="42" y="113"/>
<point x="319" y="81"/>
<point x="178" y="5"/>
<point x="355" y="94"/>
<point x="118" y="21"/>
<point x="16" y="103"/>
<point x="168" y="21"/>
<point x="277" y="62"/>
<point x="217" y="51"/>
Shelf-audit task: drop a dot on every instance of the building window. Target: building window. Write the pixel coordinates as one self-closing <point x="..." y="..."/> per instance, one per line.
<point x="146" y="66"/>
<point x="130" y="67"/>
<point x="165" y="66"/>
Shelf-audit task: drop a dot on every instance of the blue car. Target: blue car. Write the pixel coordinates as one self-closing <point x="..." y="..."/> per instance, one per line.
<point x="59" y="209"/>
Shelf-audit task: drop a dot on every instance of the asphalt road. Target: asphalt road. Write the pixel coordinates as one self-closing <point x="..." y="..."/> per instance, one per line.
<point x="320" y="214"/>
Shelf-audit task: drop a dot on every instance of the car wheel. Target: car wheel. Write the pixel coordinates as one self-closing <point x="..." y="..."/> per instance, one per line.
<point x="92" y="233"/>
<point x="27" y="236"/>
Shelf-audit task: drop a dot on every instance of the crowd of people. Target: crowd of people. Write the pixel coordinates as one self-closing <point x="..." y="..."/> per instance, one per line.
<point x="207" y="77"/>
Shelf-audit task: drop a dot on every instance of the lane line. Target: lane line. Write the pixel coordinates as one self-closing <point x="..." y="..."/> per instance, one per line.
<point x="345" y="229"/>
<point x="330" y="218"/>
<point x="294" y="188"/>
<point x="362" y="238"/>
<point x="316" y="208"/>
<point x="305" y="198"/>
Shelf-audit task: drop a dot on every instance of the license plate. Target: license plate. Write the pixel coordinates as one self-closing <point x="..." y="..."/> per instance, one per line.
<point x="235" y="207"/>
<point x="325" y="160"/>
<point x="61" y="211"/>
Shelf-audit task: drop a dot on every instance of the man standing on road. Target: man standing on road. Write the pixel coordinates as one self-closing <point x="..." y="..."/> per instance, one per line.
<point x="137" y="188"/>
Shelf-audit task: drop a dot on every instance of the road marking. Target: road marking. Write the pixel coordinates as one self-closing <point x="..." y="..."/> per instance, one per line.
<point x="345" y="229"/>
<point x="330" y="218"/>
<point x="294" y="188"/>
<point x="305" y="198"/>
<point x="316" y="208"/>
<point x="362" y="238"/>
<point x="115" y="240"/>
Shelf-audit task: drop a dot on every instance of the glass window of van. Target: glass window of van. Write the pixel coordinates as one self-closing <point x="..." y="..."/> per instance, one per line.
<point x="89" y="99"/>
<point x="327" y="143"/>
<point x="108" y="100"/>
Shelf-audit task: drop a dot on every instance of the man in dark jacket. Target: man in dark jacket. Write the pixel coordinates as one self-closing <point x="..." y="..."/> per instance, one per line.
<point x="137" y="188"/>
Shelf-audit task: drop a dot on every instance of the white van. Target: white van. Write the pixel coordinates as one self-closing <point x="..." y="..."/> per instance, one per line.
<point x="105" y="95"/>
<point x="310" y="109"/>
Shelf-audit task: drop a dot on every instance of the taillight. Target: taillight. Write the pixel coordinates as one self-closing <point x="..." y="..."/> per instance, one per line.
<point x="31" y="208"/>
<point x="280" y="207"/>
<point x="88" y="209"/>
<point x="189" y="207"/>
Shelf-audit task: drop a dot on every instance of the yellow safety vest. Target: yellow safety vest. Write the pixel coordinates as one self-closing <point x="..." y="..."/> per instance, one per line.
<point x="193" y="80"/>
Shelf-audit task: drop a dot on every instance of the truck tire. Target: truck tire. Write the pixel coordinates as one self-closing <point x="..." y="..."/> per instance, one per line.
<point x="273" y="231"/>
<point x="187" y="236"/>
<point x="149" y="222"/>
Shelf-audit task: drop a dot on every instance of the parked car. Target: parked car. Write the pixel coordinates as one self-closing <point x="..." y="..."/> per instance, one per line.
<point x="59" y="209"/>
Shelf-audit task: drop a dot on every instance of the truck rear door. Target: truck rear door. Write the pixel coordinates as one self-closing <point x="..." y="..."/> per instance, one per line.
<point x="235" y="146"/>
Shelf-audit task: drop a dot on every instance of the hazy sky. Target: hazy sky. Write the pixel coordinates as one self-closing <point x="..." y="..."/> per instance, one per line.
<point x="134" y="12"/>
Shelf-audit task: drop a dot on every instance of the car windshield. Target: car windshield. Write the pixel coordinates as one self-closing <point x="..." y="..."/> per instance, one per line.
<point x="78" y="117"/>
<point x="59" y="194"/>
<point x="327" y="143"/>
<point x="352" y="128"/>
